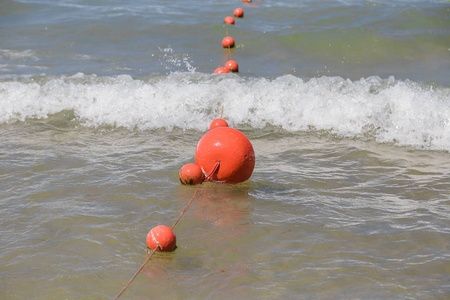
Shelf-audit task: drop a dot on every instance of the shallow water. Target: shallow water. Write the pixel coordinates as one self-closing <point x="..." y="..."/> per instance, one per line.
<point x="102" y="103"/>
<point x="321" y="217"/>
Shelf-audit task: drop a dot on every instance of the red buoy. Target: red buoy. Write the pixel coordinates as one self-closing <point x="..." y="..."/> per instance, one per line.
<point x="191" y="174"/>
<point x="228" y="42"/>
<point x="221" y="70"/>
<point x="229" y="20"/>
<point x="246" y="0"/>
<point x="232" y="149"/>
<point x="218" y="123"/>
<point x="232" y="66"/>
<point x="238" y="12"/>
<point x="162" y="238"/>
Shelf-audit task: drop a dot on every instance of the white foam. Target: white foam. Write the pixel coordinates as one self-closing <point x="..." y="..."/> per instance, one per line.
<point x="385" y="110"/>
<point x="20" y="55"/>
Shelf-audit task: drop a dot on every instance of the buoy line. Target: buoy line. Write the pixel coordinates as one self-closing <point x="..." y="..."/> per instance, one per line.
<point x="225" y="154"/>
<point x="228" y="42"/>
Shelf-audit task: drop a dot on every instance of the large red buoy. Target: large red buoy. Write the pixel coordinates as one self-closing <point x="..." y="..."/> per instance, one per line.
<point x="228" y="42"/>
<point x="191" y="174"/>
<point x="232" y="149"/>
<point x="162" y="238"/>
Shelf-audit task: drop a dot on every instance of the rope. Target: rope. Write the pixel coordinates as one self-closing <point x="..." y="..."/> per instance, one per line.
<point x="215" y="168"/>
<point x="228" y="47"/>
<point x="189" y="203"/>
<point x="136" y="274"/>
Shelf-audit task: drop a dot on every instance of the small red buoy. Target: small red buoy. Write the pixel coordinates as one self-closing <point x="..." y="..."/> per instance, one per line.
<point x="221" y="70"/>
<point x="238" y="12"/>
<point x="229" y="20"/>
<point x="228" y="42"/>
<point x="232" y="66"/>
<point x="218" y="123"/>
<point x="232" y="149"/>
<point x="162" y="238"/>
<point x="191" y="174"/>
<point x="246" y="0"/>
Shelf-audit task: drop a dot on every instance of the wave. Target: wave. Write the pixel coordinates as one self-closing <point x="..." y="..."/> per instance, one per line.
<point x="402" y="112"/>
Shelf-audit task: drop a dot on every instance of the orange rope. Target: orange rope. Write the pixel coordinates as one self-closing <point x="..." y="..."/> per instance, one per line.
<point x="136" y="274"/>
<point x="189" y="203"/>
<point x="215" y="168"/>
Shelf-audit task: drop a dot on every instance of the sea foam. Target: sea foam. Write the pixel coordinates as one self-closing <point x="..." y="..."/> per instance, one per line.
<point x="386" y="110"/>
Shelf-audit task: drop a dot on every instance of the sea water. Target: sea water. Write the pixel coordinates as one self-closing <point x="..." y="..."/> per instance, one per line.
<point x="346" y="104"/>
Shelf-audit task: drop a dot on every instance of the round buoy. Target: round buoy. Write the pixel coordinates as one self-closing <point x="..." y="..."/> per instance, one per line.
<point x="246" y="0"/>
<point x="221" y="70"/>
<point x="232" y="149"/>
<point x="238" y="12"/>
<point x="191" y="174"/>
<point x="162" y="238"/>
<point x="229" y="20"/>
<point x="218" y="123"/>
<point x="232" y="66"/>
<point x="228" y="42"/>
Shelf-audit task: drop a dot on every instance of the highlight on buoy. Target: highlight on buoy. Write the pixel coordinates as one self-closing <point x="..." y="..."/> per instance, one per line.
<point x="191" y="174"/>
<point x="229" y="20"/>
<point x="221" y="70"/>
<point x="231" y="150"/>
<point x="232" y="66"/>
<point x="162" y="238"/>
<point x="218" y="123"/>
<point x="228" y="42"/>
<point x="238" y="12"/>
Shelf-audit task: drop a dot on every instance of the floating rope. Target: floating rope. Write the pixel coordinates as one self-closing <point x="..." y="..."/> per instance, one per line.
<point x="136" y="274"/>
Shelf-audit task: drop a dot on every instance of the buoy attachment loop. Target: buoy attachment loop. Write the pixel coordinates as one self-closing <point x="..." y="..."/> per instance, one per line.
<point x="213" y="171"/>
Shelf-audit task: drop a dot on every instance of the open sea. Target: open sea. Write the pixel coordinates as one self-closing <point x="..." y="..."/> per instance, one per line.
<point x="346" y="103"/>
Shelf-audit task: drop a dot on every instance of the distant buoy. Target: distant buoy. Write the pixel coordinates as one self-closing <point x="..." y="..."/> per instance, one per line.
<point x="221" y="70"/>
<point x="232" y="149"/>
<point x="162" y="238"/>
<point x="228" y="42"/>
<point x="191" y="174"/>
<point x="229" y="20"/>
<point x="238" y="12"/>
<point x="218" y="123"/>
<point x="246" y="0"/>
<point x="232" y="66"/>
